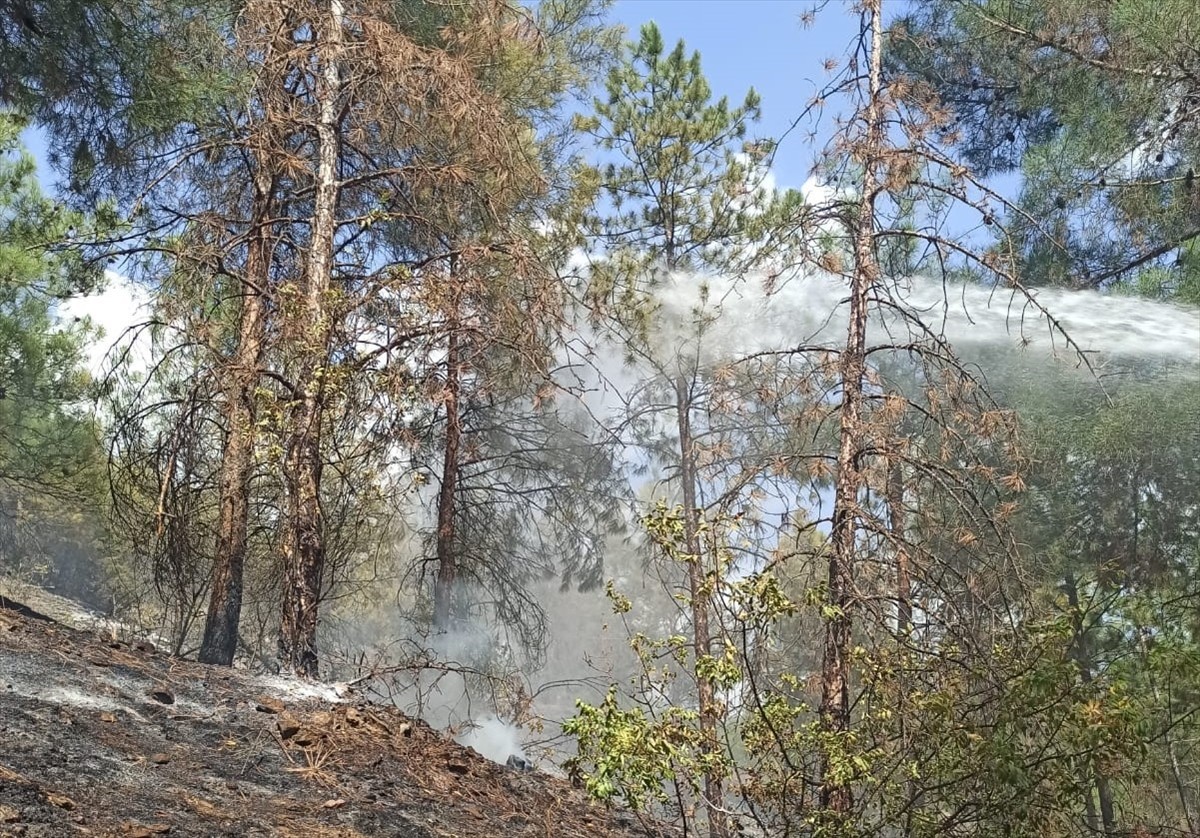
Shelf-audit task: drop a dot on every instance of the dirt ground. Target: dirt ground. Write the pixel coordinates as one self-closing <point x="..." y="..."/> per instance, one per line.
<point x="104" y="737"/>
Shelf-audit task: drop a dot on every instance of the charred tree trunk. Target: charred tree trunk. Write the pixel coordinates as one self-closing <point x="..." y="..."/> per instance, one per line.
<point x="1108" y="814"/>
<point x="697" y="590"/>
<point x="447" y="558"/>
<point x="304" y="542"/>
<point x="836" y="790"/>
<point x="237" y="459"/>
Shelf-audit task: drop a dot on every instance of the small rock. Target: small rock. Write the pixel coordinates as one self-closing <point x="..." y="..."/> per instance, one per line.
<point x="518" y="762"/>
<point x="405" y="729"/>
<point x="288" y="725"/>
<point x="334" y="804"/>
<point x="160" y="759"/>
<point x="321" y="719"/>
<point x="267" y="704"/>
<point x="108" y="717"/>
<point x="60" y="800"/>
<point x="162" y="696"/>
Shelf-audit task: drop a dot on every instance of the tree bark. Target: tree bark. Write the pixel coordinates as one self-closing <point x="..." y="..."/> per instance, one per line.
<point x="897" y="525"/>
<point x="714" y="791"/>
<point x="897" y="522"/>
<point x="237" y="458"/>
<point x="304" y="542"/>
<point x="1108" y="818"/>
<point x="836" y="791"/>
<point x="447" y="558"/>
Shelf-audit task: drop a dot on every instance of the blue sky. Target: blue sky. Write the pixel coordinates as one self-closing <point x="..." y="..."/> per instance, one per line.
<point x="760" y="44"/>
<point x="763" y="44"/>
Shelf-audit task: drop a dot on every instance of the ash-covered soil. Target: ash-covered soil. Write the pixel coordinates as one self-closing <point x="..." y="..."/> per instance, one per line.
<point x="106" y="738"/>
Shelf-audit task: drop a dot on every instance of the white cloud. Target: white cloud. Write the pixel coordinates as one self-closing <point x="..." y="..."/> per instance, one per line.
<point x="816" y="192"/>
<point x="114" y="310"/>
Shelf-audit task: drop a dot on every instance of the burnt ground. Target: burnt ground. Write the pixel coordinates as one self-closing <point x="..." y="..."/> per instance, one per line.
<point x="108" y="738"/>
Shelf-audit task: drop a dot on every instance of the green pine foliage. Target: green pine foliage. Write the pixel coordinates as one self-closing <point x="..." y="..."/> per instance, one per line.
<point x="49" y="453"/>
<point x="1093" y="106"/>
<point x="44" y="425"/>
<point x="680" y="182"/>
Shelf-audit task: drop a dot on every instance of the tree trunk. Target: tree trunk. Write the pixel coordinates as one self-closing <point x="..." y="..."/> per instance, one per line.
<point x="1090" y="813"/>
<point x="447" y="559"/>
<point x="1108" y="818"/>
<point x="897" y="523"/>
<point x="304" y="542"/>
<point x="701" y="638"/>
<point x="237" y="458"/>
<point x="836" y="792"/>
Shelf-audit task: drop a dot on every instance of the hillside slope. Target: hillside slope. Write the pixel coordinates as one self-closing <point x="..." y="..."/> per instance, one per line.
<point x="100" y="737"/>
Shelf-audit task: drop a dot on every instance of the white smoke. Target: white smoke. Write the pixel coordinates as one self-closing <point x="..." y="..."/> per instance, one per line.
<point x="493" y="739"/>
<point x="704" y="321"/>
<point x="714" y="319"/>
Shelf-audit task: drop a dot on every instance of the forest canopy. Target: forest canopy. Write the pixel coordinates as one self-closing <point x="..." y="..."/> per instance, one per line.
<point x="485" y="362"/>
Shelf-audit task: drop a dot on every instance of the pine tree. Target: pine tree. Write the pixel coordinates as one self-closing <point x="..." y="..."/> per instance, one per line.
<point x="48" y="450"/>
<point x="1093" y="106"/>
<point x="683" y="194"/>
